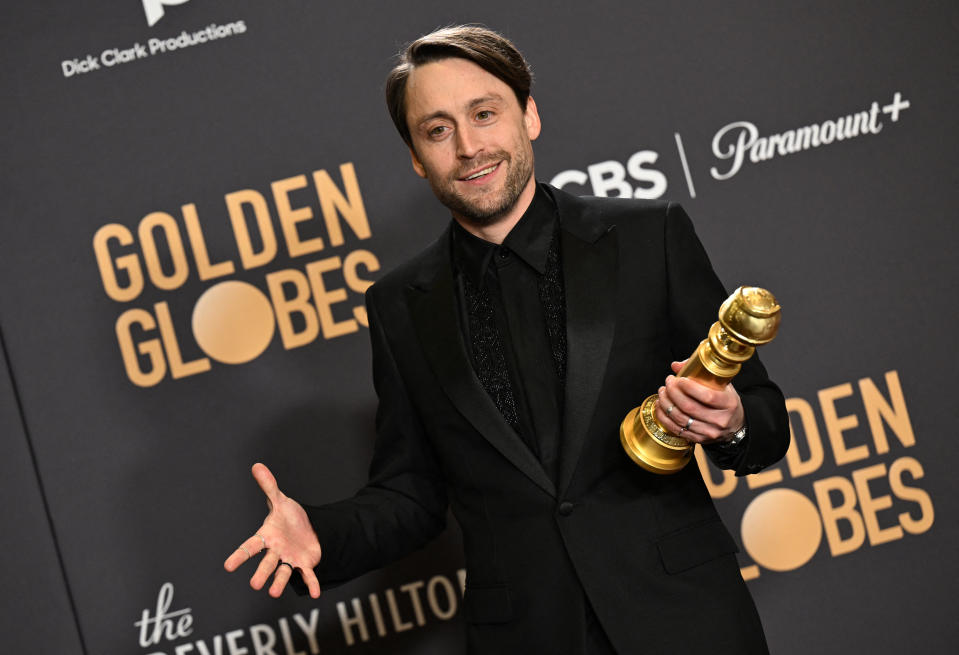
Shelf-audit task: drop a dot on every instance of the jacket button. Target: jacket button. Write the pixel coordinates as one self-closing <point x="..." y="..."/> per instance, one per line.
<point x="565" y="508"/>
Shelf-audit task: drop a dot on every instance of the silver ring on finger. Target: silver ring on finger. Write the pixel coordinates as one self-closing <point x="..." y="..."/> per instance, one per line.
<point x="248" y="555"/>
<point x="261" y="539"/>
<point x="669" y="410"/>
<point x="688" y="424"/>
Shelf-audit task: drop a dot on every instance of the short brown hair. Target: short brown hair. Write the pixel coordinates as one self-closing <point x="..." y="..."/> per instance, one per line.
<point x="489" y="50"/>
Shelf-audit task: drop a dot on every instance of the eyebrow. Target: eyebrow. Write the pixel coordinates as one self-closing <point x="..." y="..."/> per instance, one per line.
<point x="490" y="97"/>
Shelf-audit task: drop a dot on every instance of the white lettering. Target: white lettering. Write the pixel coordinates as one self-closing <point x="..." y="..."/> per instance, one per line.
<point x="309" y="628"/>
<point x="566" y="177"/>
<point x="71" y="67"/>
<point x="732" y="141"/>
<point x="347" y="623"/>
<point x="448" y="591"/>
<point x="734" y="151"/>
<point x="656" y="179"/>
<point x="398" y="623"/>
<point x="412" y="589"/>
<point x="161" y="626"/>
<point x="231" y="638"/>
<point x="605" y="176"/>
<point x="288" y="638"/>
<point x="263" y="638"/>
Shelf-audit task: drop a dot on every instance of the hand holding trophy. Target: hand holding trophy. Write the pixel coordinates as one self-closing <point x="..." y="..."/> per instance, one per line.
<point x="748" y="318"/>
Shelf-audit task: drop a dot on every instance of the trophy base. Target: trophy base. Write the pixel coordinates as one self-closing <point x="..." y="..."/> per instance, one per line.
<point x="649" y="445"/>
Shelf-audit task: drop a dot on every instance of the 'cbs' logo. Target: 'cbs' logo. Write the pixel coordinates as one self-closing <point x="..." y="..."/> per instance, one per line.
<point x="154" y="9"/>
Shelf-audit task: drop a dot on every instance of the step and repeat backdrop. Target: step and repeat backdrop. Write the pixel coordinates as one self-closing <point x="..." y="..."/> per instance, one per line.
<point x="196" y="194"/>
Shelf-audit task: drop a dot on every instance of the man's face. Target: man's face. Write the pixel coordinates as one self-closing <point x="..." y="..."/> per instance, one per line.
<point x="471" y="139"/>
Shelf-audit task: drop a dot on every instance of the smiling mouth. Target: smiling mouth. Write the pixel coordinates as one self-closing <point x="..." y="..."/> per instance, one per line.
<point x="482" y="173"/>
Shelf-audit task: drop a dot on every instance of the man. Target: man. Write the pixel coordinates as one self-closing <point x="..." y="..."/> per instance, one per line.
<point x="505" y="357"/>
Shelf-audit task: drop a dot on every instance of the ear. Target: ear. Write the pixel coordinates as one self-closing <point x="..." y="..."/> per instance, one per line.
<point x="531" y="118"/>
<point x="417" y="165"/>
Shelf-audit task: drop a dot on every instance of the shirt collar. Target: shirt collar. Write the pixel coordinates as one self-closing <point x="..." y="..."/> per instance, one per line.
<point x="529" y="239"/>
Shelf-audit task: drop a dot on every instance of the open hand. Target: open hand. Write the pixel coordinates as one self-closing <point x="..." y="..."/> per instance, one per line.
<point x="287" y="538"/>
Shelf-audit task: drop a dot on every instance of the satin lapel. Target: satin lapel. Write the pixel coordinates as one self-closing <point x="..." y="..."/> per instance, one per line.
<point x="590" y="277"/>
<point x="434" y="315"/>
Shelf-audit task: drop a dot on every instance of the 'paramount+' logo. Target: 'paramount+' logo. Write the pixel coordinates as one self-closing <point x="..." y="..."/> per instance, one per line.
<point x="319" y="294"/>
<point x="740" y="141"/>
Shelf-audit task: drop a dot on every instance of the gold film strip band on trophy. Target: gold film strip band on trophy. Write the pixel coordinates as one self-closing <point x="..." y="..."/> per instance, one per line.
<point x="748" y="318"/>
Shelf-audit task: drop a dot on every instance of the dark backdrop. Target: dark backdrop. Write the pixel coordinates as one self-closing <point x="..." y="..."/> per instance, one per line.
<point x="126" y="477"/>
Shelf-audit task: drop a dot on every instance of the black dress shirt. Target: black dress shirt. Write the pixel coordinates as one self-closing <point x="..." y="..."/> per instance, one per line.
<point x="513" y="314"/>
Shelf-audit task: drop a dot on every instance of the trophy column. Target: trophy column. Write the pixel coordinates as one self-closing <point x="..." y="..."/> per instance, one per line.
<point x="748" y="318"/>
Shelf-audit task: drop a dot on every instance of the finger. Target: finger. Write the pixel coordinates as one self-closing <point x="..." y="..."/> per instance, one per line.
<point x="682" y="424"/>
<point x="309" y="577"/>
<point x="701" y="432"/>
<point x="666" y="412"/>
<point x="282" y="576"/>
<point x="267" y="565"/>
<point x="675" y="395"/>
<point x="713" y="398"/>
<point x="678" y="366"/>
<point x="236" y="558"/>
<point x="266" y="481"/>
<point x="244" y="552"/>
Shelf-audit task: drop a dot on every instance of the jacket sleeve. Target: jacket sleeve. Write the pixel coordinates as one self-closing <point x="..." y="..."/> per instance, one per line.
<point x="404" y="503"/>
<point x="695" y="294"/>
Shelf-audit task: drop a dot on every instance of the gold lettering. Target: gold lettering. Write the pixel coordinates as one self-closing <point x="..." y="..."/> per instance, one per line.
<point x="846" y="510"/>
<point x="151" y="256"/>
<point x="178" y="368"/>
<point x="109" y="266"/>
<point x="836" y="425"/>
<point x="878" y="409"/>
<point x="369" y="261"/>
<point x="206" y="270"/>
<point x="324" y="299"/>
<point x="261" y="213"/>
<point x="798" y="467"/>
<point x="764" y="479"/>
<point x="918" y="496"/>
<point x="285" y="307"/>
<point x="871" y="505"/>
<point x="334" y="204"/>
<point x="150" y="347"/>
<point x="289" y="217"/>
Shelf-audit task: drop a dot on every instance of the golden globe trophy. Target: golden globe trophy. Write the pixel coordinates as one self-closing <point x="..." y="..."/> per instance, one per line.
<point x="748" y="318"/>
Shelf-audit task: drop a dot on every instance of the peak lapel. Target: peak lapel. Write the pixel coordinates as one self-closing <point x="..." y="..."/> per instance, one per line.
<point x="590" y="277"/>
<point x="433" y="309"/>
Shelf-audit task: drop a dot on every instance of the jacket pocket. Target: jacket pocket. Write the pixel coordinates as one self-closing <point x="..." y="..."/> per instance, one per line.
<point x="695" y="545"/>
<point x="488" y="604"/>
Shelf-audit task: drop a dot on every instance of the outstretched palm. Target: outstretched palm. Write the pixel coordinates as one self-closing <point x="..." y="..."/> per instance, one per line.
<point x="287" y="537"/>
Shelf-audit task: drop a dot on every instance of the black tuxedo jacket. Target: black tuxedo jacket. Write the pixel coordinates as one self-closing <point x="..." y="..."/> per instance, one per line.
<point x="649" y="551"/>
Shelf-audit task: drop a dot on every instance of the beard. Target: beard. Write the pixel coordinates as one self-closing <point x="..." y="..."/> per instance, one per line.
<point x="486" y="209"/>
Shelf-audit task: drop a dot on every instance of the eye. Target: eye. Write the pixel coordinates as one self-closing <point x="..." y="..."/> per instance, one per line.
<point x="484" y="115"/>
<point x="437" y="131"/>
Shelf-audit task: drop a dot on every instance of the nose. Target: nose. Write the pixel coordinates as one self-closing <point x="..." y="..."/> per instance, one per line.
<point x="467" y="143"/>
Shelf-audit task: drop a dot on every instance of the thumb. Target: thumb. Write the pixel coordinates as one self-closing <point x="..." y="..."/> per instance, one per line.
<point x="678" y="366"/>
<point x="266" y="481"/>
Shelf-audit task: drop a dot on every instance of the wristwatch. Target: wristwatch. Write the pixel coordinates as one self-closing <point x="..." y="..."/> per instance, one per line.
<point x="734" y="440"/>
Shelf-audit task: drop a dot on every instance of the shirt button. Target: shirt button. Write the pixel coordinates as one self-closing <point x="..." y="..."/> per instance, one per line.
<point x="565" y="508"/>
<point x="502" y="252"/>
